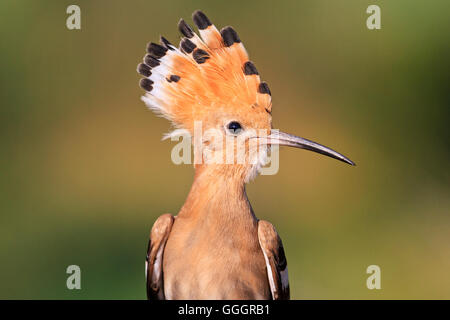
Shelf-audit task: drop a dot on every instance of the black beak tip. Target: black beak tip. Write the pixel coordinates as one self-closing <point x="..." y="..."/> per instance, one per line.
<point x="350" y="162"/>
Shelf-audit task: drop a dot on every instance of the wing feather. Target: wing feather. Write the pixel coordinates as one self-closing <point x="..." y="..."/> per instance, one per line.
<point x="276" y="263"/>
<point x="154" y="261"/>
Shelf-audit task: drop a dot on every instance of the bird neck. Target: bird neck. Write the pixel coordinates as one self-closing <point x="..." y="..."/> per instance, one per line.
<point x="218" y="193"/>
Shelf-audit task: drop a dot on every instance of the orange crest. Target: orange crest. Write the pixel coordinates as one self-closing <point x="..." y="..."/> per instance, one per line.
<point x="206" y="79"/>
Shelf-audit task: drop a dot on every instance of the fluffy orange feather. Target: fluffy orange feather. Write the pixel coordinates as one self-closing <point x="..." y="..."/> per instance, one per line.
<point x="205" y="78"/>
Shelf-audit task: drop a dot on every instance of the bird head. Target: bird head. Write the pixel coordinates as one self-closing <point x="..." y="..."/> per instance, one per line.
<point x="210" y="89"/>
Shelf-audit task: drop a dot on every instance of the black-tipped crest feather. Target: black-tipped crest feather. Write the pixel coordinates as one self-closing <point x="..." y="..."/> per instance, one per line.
<point x="155" y="50"/>
<point x="201" y="20"/>
<point x="144" y="69"/>
<point x="229" y="36"/>
<point x="187" y="45"/>
<point x="166" y="43"/>
<point x="151" y="61"/>
<point x="264" y="88"/>
<point x="146" y="84"/>
<point x="185" y="29"/>
<point x="200" y="56"/>
<point x="249" y="68"/>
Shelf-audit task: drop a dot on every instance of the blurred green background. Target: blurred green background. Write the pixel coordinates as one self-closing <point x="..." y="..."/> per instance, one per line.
<point x="84" y="172"/>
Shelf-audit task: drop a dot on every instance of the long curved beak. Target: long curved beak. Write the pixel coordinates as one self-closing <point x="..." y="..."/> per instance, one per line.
<point x="286" y="139"/>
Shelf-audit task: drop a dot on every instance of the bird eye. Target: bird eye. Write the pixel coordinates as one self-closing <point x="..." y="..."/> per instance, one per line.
<point x="234" y="127"/>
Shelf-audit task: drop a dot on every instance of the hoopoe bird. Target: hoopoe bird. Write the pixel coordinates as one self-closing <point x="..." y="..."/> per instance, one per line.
<point x="216" y="248"/>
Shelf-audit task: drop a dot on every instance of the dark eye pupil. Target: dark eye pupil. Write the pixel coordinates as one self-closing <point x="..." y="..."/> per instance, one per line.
<point x="234" y="127"/>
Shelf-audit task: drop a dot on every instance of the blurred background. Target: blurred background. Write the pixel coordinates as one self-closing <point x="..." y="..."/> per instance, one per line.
<point x="84" y="173"/>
